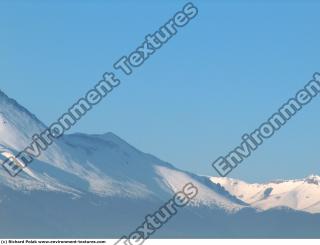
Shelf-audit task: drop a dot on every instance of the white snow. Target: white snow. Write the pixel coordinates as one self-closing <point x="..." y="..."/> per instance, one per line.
<point x="103" y="165"/>
<point x="107" y="166"/>
<point x="301" y="194"/>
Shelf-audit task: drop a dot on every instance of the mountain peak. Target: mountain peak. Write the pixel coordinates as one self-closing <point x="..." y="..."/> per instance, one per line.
<point x="313" y="179"/>
<point x="2" y="94"/>
<point x="17" y="124"/>
<point x="298" y="194"/>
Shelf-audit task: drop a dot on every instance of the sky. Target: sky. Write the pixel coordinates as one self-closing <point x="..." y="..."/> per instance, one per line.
<point x="221" y="76"/>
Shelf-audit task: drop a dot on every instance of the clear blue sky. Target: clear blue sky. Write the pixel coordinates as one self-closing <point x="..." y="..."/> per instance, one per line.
<point x="221" y="76"/>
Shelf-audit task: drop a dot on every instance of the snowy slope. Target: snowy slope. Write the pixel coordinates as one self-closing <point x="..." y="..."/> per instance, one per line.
<point x="301" y="194"/>
<point x="101" y="186"/>
<point x="103" y="165"/>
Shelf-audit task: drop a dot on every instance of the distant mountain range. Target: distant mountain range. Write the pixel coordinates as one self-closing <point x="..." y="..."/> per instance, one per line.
<point x="302" y="194"/>
<point x="99" y="186"/>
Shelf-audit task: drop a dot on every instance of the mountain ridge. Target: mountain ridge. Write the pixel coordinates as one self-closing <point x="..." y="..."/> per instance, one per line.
<point x="298" y="194"/>
<point x="81" y="176"/>
<point x="104" y="165"/>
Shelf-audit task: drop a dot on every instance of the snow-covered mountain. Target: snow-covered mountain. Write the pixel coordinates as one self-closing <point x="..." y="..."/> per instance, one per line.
<point x="101" y="186"/>
<point x="103" y="165"/>
<point x="301" y="194"/>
